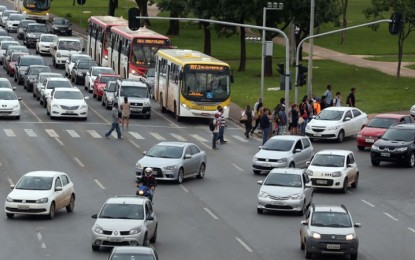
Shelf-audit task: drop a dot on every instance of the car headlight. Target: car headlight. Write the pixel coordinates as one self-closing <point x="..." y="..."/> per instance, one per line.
<point x="58" y="55"/>
<point x="54" y="27"/>
<point x="401" y="149"/>
<point x="69" y="28"/>
<point x="106" y="57"/>
<point x="147" y="104"/>
<point x="335" y="127"/>
<point x="135" y="230"/>
<point x="80" y="74"/>
<point x="83" y="106"/>
<point x="359" y="136"/>
<point x="309" y="172"/>
<point x="350" y="236"/>
<point x="263" y="194"/>
<point x="138" y="166"/>
<point x="8" y="199"/>
<point x="255" y="158"/>
<point x="16" y="106"/>
<point x="98" y="229"/>
<point x="109" y="99"/>
<point x="316" y="235"/>
<point x="42" y="200"/>
<point x="336" y="174"/>
<point x="31" y="36"/>
<point x="308" y="127"/>
<point x="55" y="105"/>
<point x="283" y="160"/>
<point x="298" y="196"/>
<point x="375" y="147"/>
<point x="134" y="72"/>
<point x="170" y="168"/>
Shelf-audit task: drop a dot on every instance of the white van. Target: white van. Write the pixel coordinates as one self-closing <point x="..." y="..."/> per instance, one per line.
<point x="138" y="96"/>
<point x="62" y="47"/>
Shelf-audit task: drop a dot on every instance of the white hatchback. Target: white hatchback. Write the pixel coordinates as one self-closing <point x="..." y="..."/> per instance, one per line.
<point x="9" y="103"/>
<point x="43" y="45"/>
<point x="67" y="102"/>
<point x="40" y="193"/>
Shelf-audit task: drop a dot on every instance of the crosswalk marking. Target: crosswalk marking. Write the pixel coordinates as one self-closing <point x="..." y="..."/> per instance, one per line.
<point x="30" y="132"/>
<point x="158" y="137"/>
<point x="179" y="137"/>
<point x="9" y="132"/>
<point x="114" y="134"/>
<point x="240" y="138"/>
<point x="93" y="133"/>
<point x="73" y="133"/>
<point x="136" y="135"/>
<point x="199" y="138"/>
<point x="51" y="133"/>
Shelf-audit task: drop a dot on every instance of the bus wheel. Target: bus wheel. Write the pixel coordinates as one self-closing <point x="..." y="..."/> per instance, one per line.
<point x="163" y="109"/>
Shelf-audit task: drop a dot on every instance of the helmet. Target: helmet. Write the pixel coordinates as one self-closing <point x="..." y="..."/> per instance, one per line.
<point x="148" y="171"/>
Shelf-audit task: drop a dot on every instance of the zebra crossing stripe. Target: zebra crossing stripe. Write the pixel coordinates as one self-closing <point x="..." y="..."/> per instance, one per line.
<point x="30" y="132"/>
<point x="136" y="135"/>
<point x="9" y="132"/>
<point x="51" y="133"/>
<point x="114" y="134"/>
<point x="158" y="137"/>
<point x="199" y="138"/>
<point x="240" y="138"/>
<point x="93" y="133"/>
<point x="73" y="133"/>
<point x="179" y="137"/>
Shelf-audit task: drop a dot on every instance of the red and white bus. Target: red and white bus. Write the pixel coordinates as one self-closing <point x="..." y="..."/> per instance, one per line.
<point x="132" y="52"/>
<point x="99" y="36"/>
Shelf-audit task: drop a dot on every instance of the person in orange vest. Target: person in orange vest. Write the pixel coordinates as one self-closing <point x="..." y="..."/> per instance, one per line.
<point x="316" y="106"/>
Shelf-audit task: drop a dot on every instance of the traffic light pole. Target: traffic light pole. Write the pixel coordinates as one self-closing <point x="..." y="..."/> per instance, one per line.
<point x="297" y="56"/>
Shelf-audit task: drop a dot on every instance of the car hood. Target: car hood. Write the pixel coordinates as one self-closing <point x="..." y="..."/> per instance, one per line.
<point x="36" y="34"/>
<point x="279" y="191"/>
<point x="118" y="224"/>
<point x="28" y="194"/>
<point x="391" y="143"/>
<point x="271" y="154"/>
<point x="8" y="104"/>
<point x="45" y="43"/>
<point x="372" y="131"/>
<point x="61" y="26"/>
<point x="319" y="171"/>
<point x="332" y="230"/>
<point x="68" y="102"/>
<point x="158" y="162"/>
<point x="324" y="123"/>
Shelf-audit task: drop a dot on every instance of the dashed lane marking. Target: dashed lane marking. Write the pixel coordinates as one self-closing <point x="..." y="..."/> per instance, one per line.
<point x="211" y="213"/>
<point x="31" y="111"/>
<point x="99" y="184"/>
<point x="73" y="133"/>
<point x="59" y="141"/>
<point x="184" y="188"/>
<point x="9" y="132"/>
<point x="30" y="132"/>
<point x="133" y="143"/>
<point x="94" y="133"/>
<point x="368" y="203"/>
<point x="390" y="216"/>
<point x="136" y="135"/>
<point x="158" y="137"/>
<point x="237" y="167"/>
<point x="42" y="243"/>
<point x="99" y="115"/>
<point x="244" y="245"/>
<point x="51" y="133"/>
<point x="240" y="138"/>
<point x="411" y="229"/>
<point x="199" y="138"/>
<point x="179" y="137"/>
<point x="10" y="180"/>
<point x="79" y="162"/>
<point x="114" y="134"/>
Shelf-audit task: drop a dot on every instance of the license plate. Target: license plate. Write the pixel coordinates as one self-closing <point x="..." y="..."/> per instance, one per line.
<point x="69" y="112"/>
<point x="277" y="203"/>
<point x="332" y="246"/>
<point x="23" y="207"/>
<point x="385" y="154"/>
<point x="114" y="239"/>
<point x="267" y="165"/>
<point x="136" y="109"/>
<point x="317" y="134"/>
<point x="321" y="181"/>
<point x="370" y="140"/>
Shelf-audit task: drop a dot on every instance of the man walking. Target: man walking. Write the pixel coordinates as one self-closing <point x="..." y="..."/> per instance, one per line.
<point x="282" y="120"/>
<point x="115" y="122"/>
<point x="351" y="100"/>
<point x="215" y="131"/>
<point x="222" y="125"/>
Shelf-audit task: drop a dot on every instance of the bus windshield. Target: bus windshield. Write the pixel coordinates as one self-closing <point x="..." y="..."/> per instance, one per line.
<point x="37" y="5"/>
<point x="143" y="55"/>
<point x="206" y="83"/>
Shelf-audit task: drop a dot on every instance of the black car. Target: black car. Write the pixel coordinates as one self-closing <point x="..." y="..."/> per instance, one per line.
<point x="80" y="69"/>
<point x="31" y="75"/>
<point x="396" y="145"/>
<point x="22" y="28"/>
<point x="23" y="64"/>
<point x="61" y="26"/>
<point x="33" y="32"/>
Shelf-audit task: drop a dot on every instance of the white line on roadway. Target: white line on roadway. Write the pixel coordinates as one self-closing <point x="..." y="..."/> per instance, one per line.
<point x="368" y="203"/>
<point x="201" y="140"/>
<point x="99" y="184"/>
<point x="184" y="188"/>
<point x="31" y="111"/>
<point x="157" y="136"/>
<point x="39" y="237"/>
<point x="211" y="213"/>
<point x="99" y="115"/>
<point x="9" y="132"/>
<point x="244" y="245"/>
<point x="390" y="216"/>
<point x="1" y="164"/>
<point x="165" y="118"/>
<point x="51" y="133"/>
<point x="59" y="141"/>
<point x="411" y="229"/>
<point x="73" y="133"/>
<point x="10" y="180"/>
<point x="237" y="167"/>
<point x="133" y="143"/>
<point x="240" y="138"/>
<point x="79" y="162"/>
<point x="30" y="132"/>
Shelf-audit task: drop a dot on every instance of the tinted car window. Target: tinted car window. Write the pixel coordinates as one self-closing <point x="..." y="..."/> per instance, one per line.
<point x="348" y="114"/>
<point x="306" y="143"/>
<point x="284" y="180"/>
<point x="122" y="211"/>
<point x="37" y="28"/>
<point x="395" y="134"/>
<point x="165" y="151"/>
<point x="356" y="112"/>
<point x="65" y="180"/>
<point x="278" y="145"/>
<point x="328" y="160"/>
<point x="26" y="61"/>
<point x="59" y="84"/>
<point x="194" y="149"/>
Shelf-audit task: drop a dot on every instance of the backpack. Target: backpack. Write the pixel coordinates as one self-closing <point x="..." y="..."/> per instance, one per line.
<point x="211" y="125"/>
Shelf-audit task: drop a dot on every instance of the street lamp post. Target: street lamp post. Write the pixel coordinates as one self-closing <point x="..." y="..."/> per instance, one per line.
<point x="270" y="6"/>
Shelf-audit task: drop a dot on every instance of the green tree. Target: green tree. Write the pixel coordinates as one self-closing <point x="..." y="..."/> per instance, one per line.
<point x="344" y="5"/>
<point x="112" y="5"/>
<point x="176" y="8"/>
<point x="380" y="8"/>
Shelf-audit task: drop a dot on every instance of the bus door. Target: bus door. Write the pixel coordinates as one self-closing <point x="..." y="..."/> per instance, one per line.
<point x="98" y="48"/>
<point x="89" y="42"/>
<point x="124" y="58"/>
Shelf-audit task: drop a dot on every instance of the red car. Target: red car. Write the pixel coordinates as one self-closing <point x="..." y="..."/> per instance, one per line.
<point x="100" y="82"/>
<point x="11" y="61"/>
<point x="376" y="127"/>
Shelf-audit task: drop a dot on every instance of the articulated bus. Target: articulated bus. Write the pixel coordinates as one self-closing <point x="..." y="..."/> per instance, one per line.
<point x="34" y="9"/>
<point x="132" y="52"/>
<point x="191" y="84"/>
<point x="99" y="36"/>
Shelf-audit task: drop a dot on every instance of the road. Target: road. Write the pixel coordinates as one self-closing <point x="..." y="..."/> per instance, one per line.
<point x="213" y="218"/>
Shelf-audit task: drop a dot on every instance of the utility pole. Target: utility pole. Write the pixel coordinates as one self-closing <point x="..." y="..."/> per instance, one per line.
<point x="310" y="51"/>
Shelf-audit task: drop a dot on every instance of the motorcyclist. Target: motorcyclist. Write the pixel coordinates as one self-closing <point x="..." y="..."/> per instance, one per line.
<point x="148" y="180"/>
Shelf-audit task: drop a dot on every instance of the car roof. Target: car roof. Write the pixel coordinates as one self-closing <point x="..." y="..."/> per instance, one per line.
<point x="100" y="67"/>
<point x="138" y="200"/>
<point x="328" y="208"/>
<point x="178" y="144"/>
<point x="58" y="79"/>
<point x="404" y="126"/>
<point x="50" y="74"/>
<point x="109" y="75"/>
<point x="133" y="249"/>
<point x="45" y="173"/>
<point x="67" y="89"/>
<point x="295" y="171"/>
<point x="69" y="39"/>
<point x="48" y="34"/>
<point x="390" y="115"/>
<point x="339" y="108"/>
<point x="38" y="66"/>
<point x="35" y="23"/>
<point x="32" y="57"/>
<point x="335" y="152"/>
<point x="288" y="137"/>
<point x="132" y="82"/>
<point x="4" y="79"/>
<point x="7" y="90"/>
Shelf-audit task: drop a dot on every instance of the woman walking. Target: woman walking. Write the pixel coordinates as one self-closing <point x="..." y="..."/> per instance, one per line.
<point x="125" y="112"/>
<point x="249" y="115"/>
<point x="294" y="120"/>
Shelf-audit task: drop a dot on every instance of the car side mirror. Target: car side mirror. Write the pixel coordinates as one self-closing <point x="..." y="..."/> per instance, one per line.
<point x="260" y="147"/>
<point x="297" y="150"/>
<point x="58" y="189"/>
<point x="14" y="88"/>
<point x="357" y="225"/>
<point x="304" y="222"/>
<point x="83" y="49"/>
<point x="105" y="89"/>
<point x="145" y="152"/>
<point x="307" y="163"/>
<point x="94" y="216"/>
<point x="260" y="182"/>
<point x="12" y="186"/>
<point x="347" y="119"/>
<point x="349" y="165"/>
<point x="150" y="218"/>
<point x="86" y="98"/>
<point x="87" y="73"/>
<point x="187" y="156"/>
<point x="55" y="48"/>
<point x="308" y="185"/>
<point x="19" y="98"/>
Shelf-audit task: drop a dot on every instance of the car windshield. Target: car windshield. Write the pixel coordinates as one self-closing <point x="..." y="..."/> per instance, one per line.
<point x="31" y="61"/>
<point x="131" y="256"/>
<point x="5" y="84"/>
<point x="17" y="48"/>
<point x="34" y="183"/>
<point x="47" y="38"/>
<point x="133" y="91"/>
<point x="166" y="151"/>
<point x="15" y="57"/>
<point x="37" y="28"/>
<point x="6" y="95"/>
<point x="284" y="180"/>
<point x="16" y="17"/>
<point x="69" y="45"/>
<point x="331" y="219"/>
<point x="24" y="23"/>
<point x="330" y="115"/>
<point x="105" y="79"/>
<point x="4" y="45"/>
<point x="60" y="21"/>
<point x="396" y="134"/>
<point x="37" y="70"/>
<point x="328" y="160"/>
<point x="59" y="84"/>
<point x="278" y="145"/>
<point x="381" y="122"/>
<point x="122" y="211"/>
<point x="98" y="71"/>
<point x="68" y="95"/>
<point x="111" y="87"/>
<point x="82" y="57"/>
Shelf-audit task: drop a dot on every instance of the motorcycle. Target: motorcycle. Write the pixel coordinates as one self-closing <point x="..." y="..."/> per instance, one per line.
<point x="144" y="191"/>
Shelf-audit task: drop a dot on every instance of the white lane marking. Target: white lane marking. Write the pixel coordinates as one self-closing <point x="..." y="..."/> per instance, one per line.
<point x="158" y="137"/>
<point x="73" y="133"/>
<point x="368" y="203"/>
<point x="99" y="184"/>
<point x="10" y="180"/>
<point x="39" y="237"/>
<point x="411" y="229"/>
<point x="390" y="216"/>
<point x="240" y="138"/>
<point x="59" y="141"/>
<point x="179" y="137"/>
<point x="199" y="138"/>
<point x="9" y="132"/>
<point x="211" y="213"/>
<point x="163" y="116"/>
<point x="136" y="135"/>
<point x="31" y="111"/>
<point x="183" y="188"/>
<point x="237" y="167"/>
<point x="98" y="114"/>
<point x="133" y="143"/>
<point x="244" y="245"/>
<point x="93" y="133"/>
<point x="30" y="132"/>
<point x="79" y="162"/>
<point x="51" y="133"/>
<point x="114" y="134"/>
<point x="1" y="164"/>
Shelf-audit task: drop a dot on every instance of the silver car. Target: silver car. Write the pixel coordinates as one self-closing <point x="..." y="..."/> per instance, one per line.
<point x="283" y="151"/>
<point x="133" y="252"/>
<point x="173" y="161"/>
<point x="285" y="189"/>
<point x="109" y="95"/>
<point x="124" y="221"/>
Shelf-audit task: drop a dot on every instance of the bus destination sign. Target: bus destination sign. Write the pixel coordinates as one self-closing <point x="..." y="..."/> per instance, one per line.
<point x="151" y="41"/>
<point x="206" y="67"/>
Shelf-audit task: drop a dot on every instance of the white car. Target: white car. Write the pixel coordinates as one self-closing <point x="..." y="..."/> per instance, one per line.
<point x="93" y="73"/>
<point x="62" y="47"/>
<point x="72" y="59"/>
<point x="9" y="103"/>
<point x="333" y="169"/>
<point x="49" y="85"/>
<point x="412" y="111"/>
<point x="67" y="102"/>
<point x="336" y="123"/>
<point x="5" y="16"/>
<point x="5" y="83"/>
<point x="282" y="151"/>
<point x="40" y="80"/>
<point x="13" y="22"/>
<point x="41" y="193"/>
<point x="43" y="45"/>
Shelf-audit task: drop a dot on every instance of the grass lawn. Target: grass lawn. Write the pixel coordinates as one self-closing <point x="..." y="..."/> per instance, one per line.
<point x="392" y="58"/>
<point x="411" y="67"/>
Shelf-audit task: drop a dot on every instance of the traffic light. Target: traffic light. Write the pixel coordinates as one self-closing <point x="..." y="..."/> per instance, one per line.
<point x="133" y="22"/>
<point x="395" y="26"/>
<point x="81" y="2"/>
<point x="281" y="69"/>
<point x="302" y="75"/>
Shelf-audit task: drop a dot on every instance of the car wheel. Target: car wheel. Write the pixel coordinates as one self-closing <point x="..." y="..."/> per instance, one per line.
<point x="86" y="87"/>
<point x="375" y="162"/>
<point x="307" y="255"/>
<point x="202" y="170"/>
<point x="71" y="205"/>
<point x="344" y="188"/>
<point x="411" y="160"/>
<point x="180" y="176"/>
<point x="361" y="148"/>
<point x="259" y="211"/>
<point x="145" y="240"/>
<point x="256" y="172"/>
<point x="37" y="52"/>
<point x="17" y="117"/>
<point x="292" y="165"/>
<point x="340" y="137"/>
<point x="52" y="211"/>
<point x="95" y="248"/>
<point x="353" y="256"/>
<point x="47" y="112"/>
<point x="356" y="181"/>
<point x="162" y="108"/>
<point x="99" y="98"/>
<point x="154" y="238"/>
<point x="10" y="215"/>
<point x="14" y="78"/>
